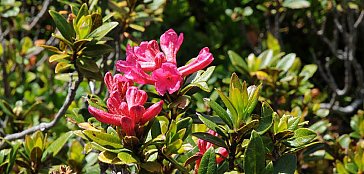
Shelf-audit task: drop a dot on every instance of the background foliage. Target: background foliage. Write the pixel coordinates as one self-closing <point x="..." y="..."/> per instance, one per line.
<point x="306" y="54"/>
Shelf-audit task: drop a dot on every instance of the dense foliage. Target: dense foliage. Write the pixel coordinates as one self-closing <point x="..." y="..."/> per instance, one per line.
<point x="183" y="86"/>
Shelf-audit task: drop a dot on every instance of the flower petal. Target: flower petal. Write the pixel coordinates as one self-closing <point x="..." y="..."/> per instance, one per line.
<point x="135" y="96"/>
<point x="167" y="78"/>
<point x="127" y="126"/>
<point x="151" y="112"/>
<point x="134" y="72"/>
<point x="170" y="43"/>
<point x="136" y="113"/>
<point x="105" y="117"/>
<point x="203" y="59"/>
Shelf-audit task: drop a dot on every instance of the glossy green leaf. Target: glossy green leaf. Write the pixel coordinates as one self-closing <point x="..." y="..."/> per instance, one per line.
<point x="56" y="57"/>
<point x="266" y="119"/>
<point x="238" y="62"/>
<point x="229" y="105"/>
<point x="103" y="139"/>
<point x="285" y="164"/>
<point x="126" y="158"/>
<point x="36" y="155"/>
<point x="286" y="62"/>
<point x="174" y="146"/>
<point x="210" y="138"/>
<point x="62" y="66"/>
<point x="97" y="50"/>
<point x="102" y="31"/>
<point x="83" y="26"/>
<point x="296" y="4"/>
<point x="63" y="26"/>
<point x="302" y="136"/>
<point x="220" y="112"/>
<point x="82" y="12"/>
<point x="210" y="124"/>
<point x="57" y="145"/>
<point x="254" y="155"/>
<point x="308" y="71"/>
<point x="208" y="162"/>
<point x="266" y="59"/>
<point x="109" y="158"/>
<point x="273" y="43"/>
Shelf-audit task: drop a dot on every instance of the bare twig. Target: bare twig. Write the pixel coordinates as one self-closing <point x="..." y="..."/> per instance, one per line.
<point x="343" y="109"/>
<point x="45" y="126"/>
<point x="359" y="20"/>
<point x="39" y="15"/>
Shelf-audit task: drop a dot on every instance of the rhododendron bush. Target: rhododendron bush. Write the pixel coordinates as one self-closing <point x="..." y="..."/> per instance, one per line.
<point x="184" y="87"/>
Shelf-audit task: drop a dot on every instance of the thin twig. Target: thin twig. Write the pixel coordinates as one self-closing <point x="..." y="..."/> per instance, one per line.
<point x="45" y="126"/>
<point x="349" y="109"/>
<point x="39" y="15"/>
<point x="359" y="20"/>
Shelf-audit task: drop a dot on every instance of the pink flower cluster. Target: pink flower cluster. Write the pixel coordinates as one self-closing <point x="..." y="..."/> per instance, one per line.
<point x="125" y="105"/>
<point x="203" y="146"/>
<point x="147" y="64"/>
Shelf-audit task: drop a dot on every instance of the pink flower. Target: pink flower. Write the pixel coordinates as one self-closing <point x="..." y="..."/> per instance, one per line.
<point x="170" y="44"/>
<point x="145" y="64"/>
<point x="117" y="83"/>
<point x="167" y="78"/>
<point x="127" y="114"/>
<point x="203" y="59"/>
<point x="203" y="146"/>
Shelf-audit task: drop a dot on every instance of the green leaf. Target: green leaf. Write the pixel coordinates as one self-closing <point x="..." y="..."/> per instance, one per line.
<point x="126" y="158"/>
<point x="62" y="66"/>
<point x="26" y="43"/>
<point x="205" y="75"/>
<point x="254" y="156"/>
<point x="253" y="93"/>
<point x="237" y="61"/>
<point x="82" y="12"/>
<point x="51" y="48"/>
<point x="36" y="155"/>
<point x="109" y="158"/>
<point x="137" y="27"/>
<point x="96" y="21"/>
<point x="96" y="50"/>
<point x="302" y="136"/>
<point x="56" y="57"/>
<point x="308" y="71"/>
<point x="220" y="112"/>
<point x="6" y="108"/>
<point x="83" y="26"/>
<point x="266" y="119"/>
<point x="57" y="145"/>
<point x="211" y="125"/>
<point x="208" y="162"/>
<point x="296" y="4"/>
<point x="286" y="62"/>
<point x="87" y="64"/>
<point x="340" y="168"/>
<point x="102" y="31"/>
<point x="185" y="123"/>
<point x="174" y="146"/>
<point x="210" y="138"/>
<point x="229" y="105"/>
<point x="246" y="128"/>
<point x="103" y="139"/>
<point x="266" y="59"/>
<point x="63" y="26"/>
<point x="272" y="43"/>
<point x="285" y="164"/>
